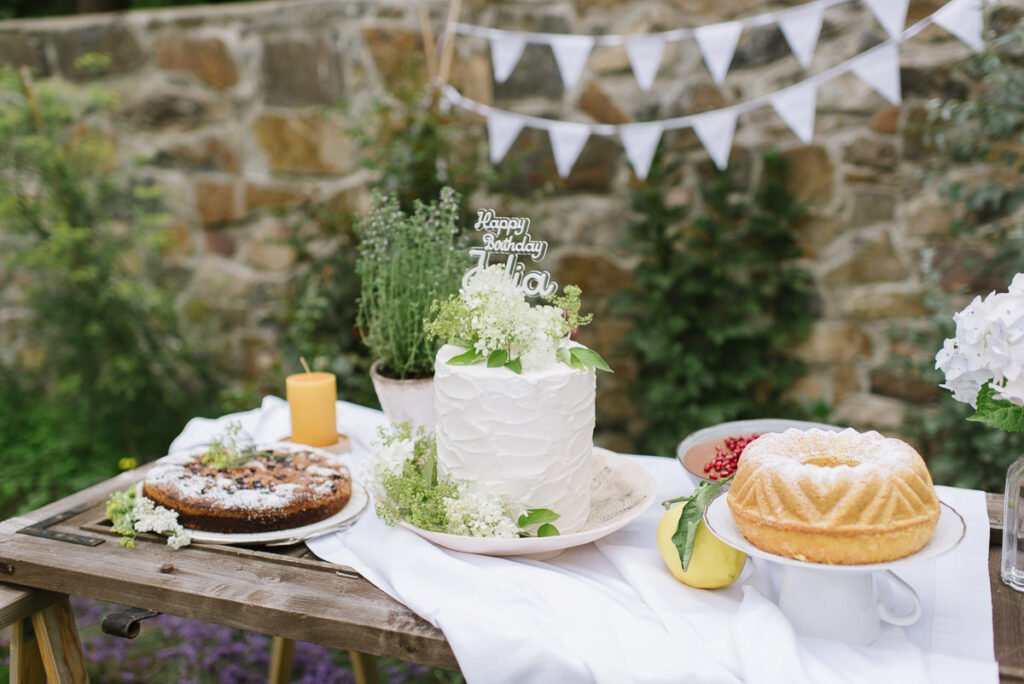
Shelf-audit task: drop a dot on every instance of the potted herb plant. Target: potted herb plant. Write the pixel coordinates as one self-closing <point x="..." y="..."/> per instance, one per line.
<point x="405" y="263"/>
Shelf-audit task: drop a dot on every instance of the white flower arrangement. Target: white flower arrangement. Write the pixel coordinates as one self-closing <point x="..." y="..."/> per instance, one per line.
<point x="132" y="513"/>
<point x="493" y="321"/>
<point x="984" y="362"/>
<point x="406" y="485"/>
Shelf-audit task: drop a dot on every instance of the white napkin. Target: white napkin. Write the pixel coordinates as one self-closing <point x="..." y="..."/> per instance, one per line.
<point x="610" y="612"/>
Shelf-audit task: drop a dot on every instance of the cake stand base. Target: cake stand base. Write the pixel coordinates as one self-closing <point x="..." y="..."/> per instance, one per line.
<point x="842" y="606"/>
<point x="839" y="601"/>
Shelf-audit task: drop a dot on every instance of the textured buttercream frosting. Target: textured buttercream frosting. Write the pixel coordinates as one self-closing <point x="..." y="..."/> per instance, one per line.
<point x="528" y="437"/>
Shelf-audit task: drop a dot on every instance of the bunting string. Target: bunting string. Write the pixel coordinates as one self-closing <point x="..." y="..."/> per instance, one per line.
<point x="795" y="104"/>
<point x="617" y="39"/>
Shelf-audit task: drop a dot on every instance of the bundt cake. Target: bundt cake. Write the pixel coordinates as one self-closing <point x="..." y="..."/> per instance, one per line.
<point x="843" y="498"/>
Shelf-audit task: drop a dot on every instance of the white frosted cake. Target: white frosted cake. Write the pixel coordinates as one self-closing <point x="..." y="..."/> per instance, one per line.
<point x="526" y="436"/>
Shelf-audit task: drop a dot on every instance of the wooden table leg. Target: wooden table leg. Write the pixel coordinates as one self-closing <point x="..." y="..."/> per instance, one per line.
<point x="59" y="645"/>
<point x="26" y="662"/>
<point x="364" y="667"/>
<point x="281" y="653"/>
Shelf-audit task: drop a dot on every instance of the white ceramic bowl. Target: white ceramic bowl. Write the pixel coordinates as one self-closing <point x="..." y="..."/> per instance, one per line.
<point x="736" y="428"/>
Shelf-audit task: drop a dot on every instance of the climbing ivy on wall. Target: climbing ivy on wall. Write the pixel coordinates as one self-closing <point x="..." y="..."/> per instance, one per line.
<point x="983" y="129"/>
<point x="718" y="302"/>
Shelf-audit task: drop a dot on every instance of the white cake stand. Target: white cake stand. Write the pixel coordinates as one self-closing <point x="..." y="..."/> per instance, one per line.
<point x="621" y="491"/>
<point x="839" y="601"/>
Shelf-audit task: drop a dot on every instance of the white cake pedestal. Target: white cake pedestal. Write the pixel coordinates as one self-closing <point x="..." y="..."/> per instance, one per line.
<point x="839" y="601"/>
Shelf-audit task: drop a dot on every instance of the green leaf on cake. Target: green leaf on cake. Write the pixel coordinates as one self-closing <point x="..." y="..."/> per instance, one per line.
<point x="997" y="413"/>
<point x="563" y="356"/>
<point x="497" y="358"/>
<point x="466" y="359"/>
<point x="589" y="358"/>
<point x="547" y="530"/>
<point x="693" y="513"/>
<point x="537" y="516"/>
<point x="515" y="365"/>
<point x="465" y="344"/>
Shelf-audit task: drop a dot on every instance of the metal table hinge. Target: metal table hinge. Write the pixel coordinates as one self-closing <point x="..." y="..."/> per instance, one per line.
<point x="126" y="623"/>
<point x="42" y="528"/>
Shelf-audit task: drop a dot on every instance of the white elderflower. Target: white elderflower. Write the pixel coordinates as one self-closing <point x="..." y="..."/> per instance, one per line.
<point x="152" y="518"/>
<point x="477" y="514"/>
<point x="988" y="347"/>
<point x="390" y="456"/>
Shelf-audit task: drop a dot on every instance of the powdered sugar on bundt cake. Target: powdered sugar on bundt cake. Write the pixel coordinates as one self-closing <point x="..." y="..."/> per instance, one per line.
<point x="834" y="497"/>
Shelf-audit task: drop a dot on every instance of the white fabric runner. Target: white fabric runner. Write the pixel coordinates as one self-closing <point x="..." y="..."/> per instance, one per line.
<point x="610" y="612"/>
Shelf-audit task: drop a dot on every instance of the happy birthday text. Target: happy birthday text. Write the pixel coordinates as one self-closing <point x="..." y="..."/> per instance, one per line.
<point x="509" y="237"/>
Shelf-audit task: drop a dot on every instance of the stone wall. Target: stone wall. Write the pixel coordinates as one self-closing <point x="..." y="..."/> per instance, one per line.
<point x="227" y="107"/>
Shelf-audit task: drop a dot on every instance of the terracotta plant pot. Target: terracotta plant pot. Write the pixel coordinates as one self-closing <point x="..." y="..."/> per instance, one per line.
<point x="405" y="400"/>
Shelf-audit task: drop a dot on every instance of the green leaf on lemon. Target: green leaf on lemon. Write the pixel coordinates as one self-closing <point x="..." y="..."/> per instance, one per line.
<point x="690" y="519"/>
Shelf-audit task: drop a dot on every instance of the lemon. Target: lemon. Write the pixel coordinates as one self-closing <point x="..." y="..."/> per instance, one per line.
<point x="714" y="563"/>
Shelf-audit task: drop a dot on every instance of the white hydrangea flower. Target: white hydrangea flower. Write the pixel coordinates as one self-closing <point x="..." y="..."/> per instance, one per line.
<point x="477" y="514"/>
<point x="988" y="346"/>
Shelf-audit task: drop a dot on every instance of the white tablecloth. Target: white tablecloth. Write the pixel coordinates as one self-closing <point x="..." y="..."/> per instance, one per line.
<point x="610" y="612"/>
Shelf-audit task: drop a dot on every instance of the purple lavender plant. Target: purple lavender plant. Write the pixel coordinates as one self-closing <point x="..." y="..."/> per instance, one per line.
<point x="174" y="650"/>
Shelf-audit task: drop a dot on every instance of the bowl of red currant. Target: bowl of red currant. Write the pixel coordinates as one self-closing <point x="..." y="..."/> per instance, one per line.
<point x="714" y="453"/>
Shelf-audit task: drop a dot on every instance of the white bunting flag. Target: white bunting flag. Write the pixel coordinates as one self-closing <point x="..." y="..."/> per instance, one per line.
<point x="645" y="58"/>
<point x="796" y="106"/>
<point x="880" y="69"/>
<point x="718" y="45"/>
<point x="505" y="53"/>
<point x="571" y="53"/>
<point x="801" y="28"/>
<point x="641" y="142"/>
<point x="963" y="19"/>
<point x="891" y="14"/>
<point x="567" y="141"/>
<point x="502" y="130"/>
<point x="716" y="130"/>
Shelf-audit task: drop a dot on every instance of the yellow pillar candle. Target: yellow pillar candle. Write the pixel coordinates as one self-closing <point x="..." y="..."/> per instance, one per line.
<point x="311" y="398"/>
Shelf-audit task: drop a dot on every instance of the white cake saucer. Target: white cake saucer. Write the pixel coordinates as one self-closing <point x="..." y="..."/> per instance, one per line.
<point x="839" y="601"/>
<point x="621" y="490"/>
<point x="293" y="535"/>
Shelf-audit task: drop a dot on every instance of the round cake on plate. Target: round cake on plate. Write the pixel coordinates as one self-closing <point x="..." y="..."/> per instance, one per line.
<point x="278" y="488"/>
<point x="843" y="498"/>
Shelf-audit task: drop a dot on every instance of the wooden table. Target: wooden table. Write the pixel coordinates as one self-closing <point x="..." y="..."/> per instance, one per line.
<point x="285" y="592"/>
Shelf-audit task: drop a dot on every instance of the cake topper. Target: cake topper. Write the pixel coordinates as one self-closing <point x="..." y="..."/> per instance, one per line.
<point x="509" y="237"/>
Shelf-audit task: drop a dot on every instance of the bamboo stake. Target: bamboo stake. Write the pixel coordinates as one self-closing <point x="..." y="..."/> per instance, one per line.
<point x="448" y="42"/>
<point x="427" y="34"/>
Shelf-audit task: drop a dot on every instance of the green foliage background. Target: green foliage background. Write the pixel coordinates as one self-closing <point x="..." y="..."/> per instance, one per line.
<point x="986" y="126"/>
<point x="106" y="373"/>
<point x="718" y="301"/>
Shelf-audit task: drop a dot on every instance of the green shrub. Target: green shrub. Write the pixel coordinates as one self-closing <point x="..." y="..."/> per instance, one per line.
<point x="983" y="127"/>
<point x="718" y="302"/>
<point x="104" y="372"/>
<point x="323" y="302"/>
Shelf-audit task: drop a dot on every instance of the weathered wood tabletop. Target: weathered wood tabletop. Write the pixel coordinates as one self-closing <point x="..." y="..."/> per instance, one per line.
<point x="284" y="591"/>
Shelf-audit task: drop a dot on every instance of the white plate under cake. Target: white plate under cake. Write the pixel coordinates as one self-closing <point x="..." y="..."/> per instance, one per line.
<point x="281" y="487"/>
